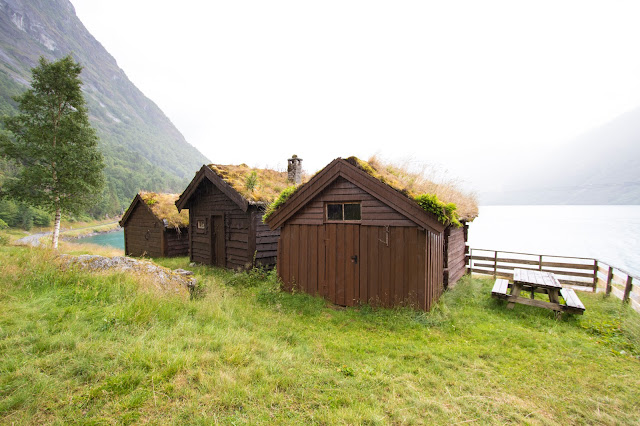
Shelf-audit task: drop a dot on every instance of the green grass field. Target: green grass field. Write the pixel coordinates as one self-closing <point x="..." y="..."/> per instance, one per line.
<point x="77" y="347"/>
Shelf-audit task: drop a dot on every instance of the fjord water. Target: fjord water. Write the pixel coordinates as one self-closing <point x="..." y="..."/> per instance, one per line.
<point x="111" y="239"/>
<point x="608" y="233"/>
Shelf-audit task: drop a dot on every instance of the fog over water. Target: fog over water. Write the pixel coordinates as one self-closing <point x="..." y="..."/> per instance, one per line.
<point x="607" y="233"/>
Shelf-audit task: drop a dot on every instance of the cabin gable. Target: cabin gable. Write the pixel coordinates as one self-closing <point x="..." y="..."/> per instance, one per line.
<point x="212" y="212"/>
<point x="387" y="195"/>
<point x="143" y="232"/>
<point x="373" y="211"/>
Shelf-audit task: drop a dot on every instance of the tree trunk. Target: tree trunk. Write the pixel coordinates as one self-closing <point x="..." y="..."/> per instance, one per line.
<point x="56" y="229"/>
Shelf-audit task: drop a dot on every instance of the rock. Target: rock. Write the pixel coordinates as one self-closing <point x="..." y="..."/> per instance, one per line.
<point x="182" y="272"/>
<point x="163" y="278"/>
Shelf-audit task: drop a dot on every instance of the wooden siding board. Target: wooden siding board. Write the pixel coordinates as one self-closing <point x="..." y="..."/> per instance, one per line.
<point x="455" y="259"/>
<point x="363" y="294"/>
<point x="373" y="286"/>
<point x="422" y="269"/>
<point x="284" y="254"/>
<point x="312" y="260"/>
<point x="352" y="264"/>
<point x="322" y="262"/>
<point x="293" y="255"/>
<point x="409" y="266"/>
<point x="331" y="261"/>
<point x="398" y="266"/>
<point x="384" y="259"/>
<point x="339" y="248"/>
<point x="303" y="263"/>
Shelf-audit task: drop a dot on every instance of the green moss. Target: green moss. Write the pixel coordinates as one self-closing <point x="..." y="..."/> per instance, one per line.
<point x="282" y="198"/>
<point x="446" y="213"/>
<point x="150" y="201"/>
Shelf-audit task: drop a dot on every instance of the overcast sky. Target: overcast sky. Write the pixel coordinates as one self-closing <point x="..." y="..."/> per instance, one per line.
<point x="474" y="88"/>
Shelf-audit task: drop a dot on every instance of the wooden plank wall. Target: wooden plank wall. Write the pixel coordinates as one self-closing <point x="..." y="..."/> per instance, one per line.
<point x="435" y="268"/>
<point x="455" y="257"/>
<point x="208" y="200"/>
<point x="395" y="265"/>
<point x="374" y="212"/>
<point x="176" y="243"/>
<point x="143" y="233"/>
<point x="266" y="244"/>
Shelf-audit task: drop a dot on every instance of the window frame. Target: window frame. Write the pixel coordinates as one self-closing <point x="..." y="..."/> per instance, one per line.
<point x="202" y="230"/>
<point x="342" y="203"/>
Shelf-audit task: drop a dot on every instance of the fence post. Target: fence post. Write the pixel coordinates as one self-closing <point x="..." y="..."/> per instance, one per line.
<point x="540" y="263"/>
<point x="609" y="280"/>
<point x="495" y="264"/>
<point x="470" y="261"/>
<point x="595" y="274"/>
<point x="627" y="289"/>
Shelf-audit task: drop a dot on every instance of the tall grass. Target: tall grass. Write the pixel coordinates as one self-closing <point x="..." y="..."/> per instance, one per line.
<point x="427" y="179"/>
<point x="78" y="347"/>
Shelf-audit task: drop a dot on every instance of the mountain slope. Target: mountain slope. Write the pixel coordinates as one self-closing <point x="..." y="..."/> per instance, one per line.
<point x="142" y="148"/>
<point x="599" y="167"/>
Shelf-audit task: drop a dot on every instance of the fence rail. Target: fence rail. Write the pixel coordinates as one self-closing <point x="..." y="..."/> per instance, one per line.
<point x="579" y="272"/>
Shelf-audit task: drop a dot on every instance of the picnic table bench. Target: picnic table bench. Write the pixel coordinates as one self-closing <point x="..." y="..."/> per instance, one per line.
<point x="537" y="282"/>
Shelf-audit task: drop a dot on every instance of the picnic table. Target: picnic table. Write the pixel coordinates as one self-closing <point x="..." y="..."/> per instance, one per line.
<point x="535" y="281"/>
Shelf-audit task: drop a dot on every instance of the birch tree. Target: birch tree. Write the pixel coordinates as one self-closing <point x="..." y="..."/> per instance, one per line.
<point x="53" y="143"/>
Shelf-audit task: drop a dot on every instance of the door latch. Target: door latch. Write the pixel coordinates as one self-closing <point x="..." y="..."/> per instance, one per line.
<point x="354" y="258"/>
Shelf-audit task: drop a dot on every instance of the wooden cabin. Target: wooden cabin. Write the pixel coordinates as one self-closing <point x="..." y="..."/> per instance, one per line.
<point x="226" y="204"/>
<point x="153" y="227"/>
<point x="352" y="238"/>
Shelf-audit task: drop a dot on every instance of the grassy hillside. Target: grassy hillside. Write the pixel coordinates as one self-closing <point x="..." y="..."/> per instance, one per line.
<point x="142" y="148"/>
<point x="79" y="347"/>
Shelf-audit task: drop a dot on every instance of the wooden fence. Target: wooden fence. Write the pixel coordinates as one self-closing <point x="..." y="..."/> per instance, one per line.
<point x="578" y="272"/>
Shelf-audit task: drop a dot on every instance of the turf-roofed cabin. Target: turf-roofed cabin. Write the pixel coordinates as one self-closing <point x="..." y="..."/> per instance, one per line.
<point x="226" y="204"/>
<point x="353" y="235"/>
<point x="154" y="227"/>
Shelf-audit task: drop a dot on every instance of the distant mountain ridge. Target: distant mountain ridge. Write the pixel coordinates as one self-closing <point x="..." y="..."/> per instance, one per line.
<point x="599" y="167"/>
<point x="142" y="148"/>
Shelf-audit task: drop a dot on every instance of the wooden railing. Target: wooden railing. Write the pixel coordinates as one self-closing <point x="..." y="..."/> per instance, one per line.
<point x="578" y="272"/>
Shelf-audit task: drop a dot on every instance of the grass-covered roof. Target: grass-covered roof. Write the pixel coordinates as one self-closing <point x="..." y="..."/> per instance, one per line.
<point x="255" y="185"/>
<point x="164" y="208"/>
<point x="444" y="199"/>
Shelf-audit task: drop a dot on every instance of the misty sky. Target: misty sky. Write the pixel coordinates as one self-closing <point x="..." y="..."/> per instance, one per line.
<point x="476" y="89"/>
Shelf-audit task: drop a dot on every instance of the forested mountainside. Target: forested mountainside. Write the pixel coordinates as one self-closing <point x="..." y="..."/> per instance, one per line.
<point x="142" y="148"/>
<point x="600" y="167"/>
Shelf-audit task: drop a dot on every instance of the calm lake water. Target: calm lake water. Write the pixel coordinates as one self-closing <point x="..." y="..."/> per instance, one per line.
<point x="607" y="233"/>
<point x="111" y="239"/>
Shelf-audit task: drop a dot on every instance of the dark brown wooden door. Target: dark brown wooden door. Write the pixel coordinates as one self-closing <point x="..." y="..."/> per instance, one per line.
<point x="342" y="263"/>
<point x="218" y="254"/>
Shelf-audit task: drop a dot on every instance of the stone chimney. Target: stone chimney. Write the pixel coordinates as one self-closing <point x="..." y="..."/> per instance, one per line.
<point x="294" y="170"/>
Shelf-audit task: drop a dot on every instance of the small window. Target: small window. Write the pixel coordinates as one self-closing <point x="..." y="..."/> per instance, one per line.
<point x="334" y="212"/>
<point x="201" y="225"/>
<point x="343" y="212"/>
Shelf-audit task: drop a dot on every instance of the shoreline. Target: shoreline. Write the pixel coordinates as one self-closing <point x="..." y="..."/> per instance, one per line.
<point x="91" y="234"/>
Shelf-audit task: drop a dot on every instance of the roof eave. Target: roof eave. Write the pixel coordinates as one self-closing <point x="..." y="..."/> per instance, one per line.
<point x="380" y="190"/>
<point x="206" y="172"/>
